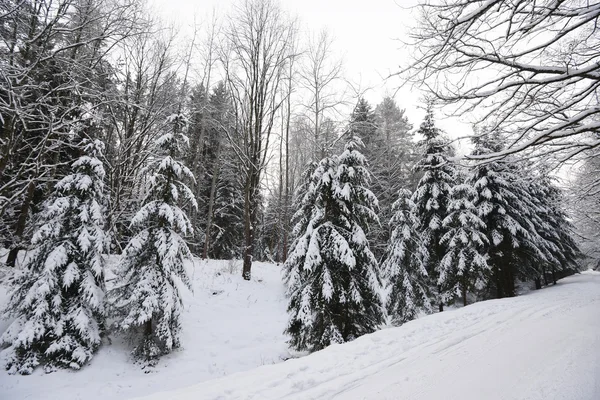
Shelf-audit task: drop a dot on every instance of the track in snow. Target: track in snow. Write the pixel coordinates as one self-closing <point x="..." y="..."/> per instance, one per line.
<point x="541" y="346"/>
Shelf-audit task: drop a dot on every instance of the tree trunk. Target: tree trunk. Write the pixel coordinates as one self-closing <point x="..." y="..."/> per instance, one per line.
<point x="499" y="293"/>
<point x="554" y="275"/>
<point x="538" y="283"/>
<point x="148" y="327"/>
<point x="287" y="166"/>
<point x="211" y="200"/>
<point x="249" y="218"/>
<point x="21" y="225"/>
<point x="464" y="295"/>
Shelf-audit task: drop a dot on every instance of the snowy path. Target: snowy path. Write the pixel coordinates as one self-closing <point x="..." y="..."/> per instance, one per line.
<point x="544" y="345"/>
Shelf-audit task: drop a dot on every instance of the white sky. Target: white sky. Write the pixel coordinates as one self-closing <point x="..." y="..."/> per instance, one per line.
<point x="366" y="36"/>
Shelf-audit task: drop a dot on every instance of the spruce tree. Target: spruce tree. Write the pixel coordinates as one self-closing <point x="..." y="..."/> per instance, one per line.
<point x="304" y="203"/>
<point x="403" y="269"/>
<point x="505" y="206"/>
<point x="58" y="303"/>
<point x="391" y="161"/>
<point x="464" y="267"/>
<point x="333" y="282"/>
<point x="431" y="198"/>
<point x="553" y="226"/>
<point x="146" y="299"/>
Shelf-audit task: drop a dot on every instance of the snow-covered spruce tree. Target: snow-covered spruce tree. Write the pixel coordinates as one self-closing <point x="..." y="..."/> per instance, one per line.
<point x="505" y="206"/>
<point x="146" y="298"/>
<point x="431" y="198"/>
<point x="391" y="161"/>
<point x="404" y="271"/>
<point x="334" y="283"/>
<point x="304" y="203"/>
<point x="58" y="303"/>
<point x="464" y="267"/>
<point x="554" y="227"/>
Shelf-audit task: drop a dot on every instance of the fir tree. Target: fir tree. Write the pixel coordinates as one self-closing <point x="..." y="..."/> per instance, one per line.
<point x="147" y="299"/>
<point x="431" y="198"/>
<point x="58" y="304"/>
<point x="464" y="267"/>
<point x="333" y="281"/>
<point x="404" y="270"/>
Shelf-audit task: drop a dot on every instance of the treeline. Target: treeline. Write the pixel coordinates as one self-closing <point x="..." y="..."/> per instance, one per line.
<point x="462" y="233"/>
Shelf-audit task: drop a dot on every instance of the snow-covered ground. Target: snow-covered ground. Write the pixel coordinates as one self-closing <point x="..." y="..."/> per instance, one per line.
<point x="543" y="345"/>
<point x="230" y="325"/>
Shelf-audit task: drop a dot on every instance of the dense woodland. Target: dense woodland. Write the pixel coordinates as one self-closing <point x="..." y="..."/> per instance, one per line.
<point x="245" y="141"/>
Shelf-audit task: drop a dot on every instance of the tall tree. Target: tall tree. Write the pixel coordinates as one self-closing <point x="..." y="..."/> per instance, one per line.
<point x="146" y="298"/>
<point x="464" y="266"/>
<point x="431" y="198"/>
<point x="319" y="73"/>
<point x="257" y="51"/>
<point x="505" y="206"/>
<point x="332" y="276"/>
<point x="555" y="228"/>
<point x="392" y="158"/>
<point x="58" y="303"/>
<point x="148" y="91"/>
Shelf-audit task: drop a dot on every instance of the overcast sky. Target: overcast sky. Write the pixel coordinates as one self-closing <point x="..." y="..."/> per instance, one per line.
<point x="368" y="35"/>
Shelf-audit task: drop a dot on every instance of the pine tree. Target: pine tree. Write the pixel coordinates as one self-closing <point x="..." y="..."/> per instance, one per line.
<point x="333" y="281"/>
<point x="403" y="269"/>
<point x="59" y="301"/>
<point x="431" y="198"/>
<point x="146" y="300"/>
<point x="464" y="267"/>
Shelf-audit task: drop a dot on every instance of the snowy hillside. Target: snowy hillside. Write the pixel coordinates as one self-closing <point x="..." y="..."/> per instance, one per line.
<point x="542" y="345"/>
<point x="229" y="325"/>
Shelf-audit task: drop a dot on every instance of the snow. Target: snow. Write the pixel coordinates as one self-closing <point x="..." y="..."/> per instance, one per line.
<point x="229" y="325"/>
<point x="541" y="345"/>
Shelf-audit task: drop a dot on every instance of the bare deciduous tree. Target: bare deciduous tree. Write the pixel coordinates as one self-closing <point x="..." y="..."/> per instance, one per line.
<point x="254" y="58"/>
<point x="527" y="68"/>
<point x="320" y="72"/>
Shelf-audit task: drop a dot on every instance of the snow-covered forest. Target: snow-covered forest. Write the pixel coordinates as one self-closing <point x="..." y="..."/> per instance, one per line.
<point x="146" y="171"/>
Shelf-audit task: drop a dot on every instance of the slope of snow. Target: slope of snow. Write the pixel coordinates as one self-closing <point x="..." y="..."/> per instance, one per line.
<point x="543" y="345"/>
<point x="229" y="325"/>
